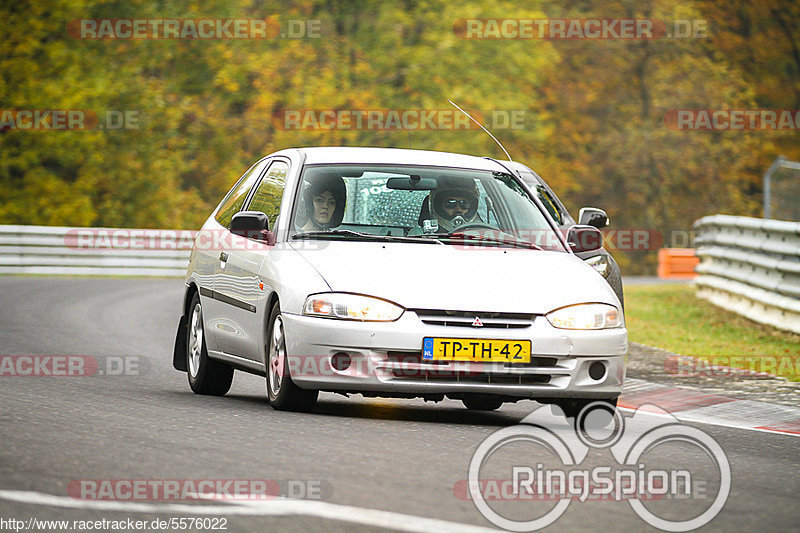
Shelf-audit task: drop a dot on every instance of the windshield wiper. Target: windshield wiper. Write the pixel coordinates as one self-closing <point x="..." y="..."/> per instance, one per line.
<point x="516" y="243"/>
<point x="357" y="235"/>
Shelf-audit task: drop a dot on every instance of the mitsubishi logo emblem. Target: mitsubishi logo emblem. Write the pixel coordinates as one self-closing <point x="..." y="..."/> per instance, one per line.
<point x="477" y="323"/>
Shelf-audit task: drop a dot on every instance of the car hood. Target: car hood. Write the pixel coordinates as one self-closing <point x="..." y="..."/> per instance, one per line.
<point x="461" y="278"/>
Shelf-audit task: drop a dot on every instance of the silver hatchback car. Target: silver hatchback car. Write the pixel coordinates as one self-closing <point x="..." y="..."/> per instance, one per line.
<point x="397" y="273"/>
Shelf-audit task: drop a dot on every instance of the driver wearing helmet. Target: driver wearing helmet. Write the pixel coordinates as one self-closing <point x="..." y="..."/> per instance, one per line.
<point x="453" y="203"/>
<point x="324" y="201"/>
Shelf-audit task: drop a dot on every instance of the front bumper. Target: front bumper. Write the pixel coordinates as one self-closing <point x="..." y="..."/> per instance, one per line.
<point x="385" y="359"/>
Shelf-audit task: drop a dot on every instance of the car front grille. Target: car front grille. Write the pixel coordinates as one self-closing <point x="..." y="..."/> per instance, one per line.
<point x="467" y="319"/>
<point x="403" y="357"/>
<point x="434" y="375"/>
<point x="409" y="366"/>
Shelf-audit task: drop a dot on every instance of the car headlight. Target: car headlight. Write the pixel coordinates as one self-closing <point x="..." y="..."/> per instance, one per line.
<point x="586" y="316"/>
<point x="601" y="264"/>
<point x="351" y="307"/>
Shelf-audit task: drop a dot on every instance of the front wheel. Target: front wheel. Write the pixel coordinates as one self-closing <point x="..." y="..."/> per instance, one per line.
<point x="282" y="392"/>
<point x="206" y="376"/>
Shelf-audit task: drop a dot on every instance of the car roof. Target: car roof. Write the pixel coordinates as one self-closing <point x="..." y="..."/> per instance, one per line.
<point x="400" y="156"/>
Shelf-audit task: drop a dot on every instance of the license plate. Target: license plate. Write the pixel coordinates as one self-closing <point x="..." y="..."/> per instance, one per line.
<point x="479" y="350"/>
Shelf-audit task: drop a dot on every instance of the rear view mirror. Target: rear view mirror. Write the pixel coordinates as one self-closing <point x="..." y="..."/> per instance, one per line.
<point x="411" y="183"/>
<point x="584" y="238"/>
<point x="592" y="216"/>
<point x="253" y="225"/>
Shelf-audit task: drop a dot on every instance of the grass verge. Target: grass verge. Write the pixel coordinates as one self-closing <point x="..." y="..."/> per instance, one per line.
<point x="671" y="317"/>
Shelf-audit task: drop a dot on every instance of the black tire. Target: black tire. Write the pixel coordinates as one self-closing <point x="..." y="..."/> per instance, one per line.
<point x="573" y="407"/>
<point x="481" y="403"/>
<point x="282" y="392"/>
<point x="206" y="375"/>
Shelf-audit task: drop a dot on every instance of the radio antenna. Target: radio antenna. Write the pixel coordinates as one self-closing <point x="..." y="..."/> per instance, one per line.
<point x="484" y="129"/>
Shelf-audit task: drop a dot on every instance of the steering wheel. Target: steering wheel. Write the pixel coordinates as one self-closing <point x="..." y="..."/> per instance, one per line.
<point x="472" y="225"/>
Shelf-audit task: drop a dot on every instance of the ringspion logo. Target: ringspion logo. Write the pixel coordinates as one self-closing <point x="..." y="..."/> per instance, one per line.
<point x="551" y="469"/>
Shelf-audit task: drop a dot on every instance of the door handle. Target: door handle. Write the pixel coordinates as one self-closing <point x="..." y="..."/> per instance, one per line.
<point x="223" y="256"/>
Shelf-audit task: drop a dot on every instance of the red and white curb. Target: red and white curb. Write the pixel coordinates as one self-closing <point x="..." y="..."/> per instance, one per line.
<point x="689" y="405"/>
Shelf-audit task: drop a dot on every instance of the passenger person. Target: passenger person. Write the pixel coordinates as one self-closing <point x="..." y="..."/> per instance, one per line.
<point x="324" y="201"/>
<point x="454" y="203"/>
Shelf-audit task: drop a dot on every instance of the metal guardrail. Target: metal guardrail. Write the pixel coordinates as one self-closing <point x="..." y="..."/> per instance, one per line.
<point x="94" y="251"/>
<point x="751" y="266"/>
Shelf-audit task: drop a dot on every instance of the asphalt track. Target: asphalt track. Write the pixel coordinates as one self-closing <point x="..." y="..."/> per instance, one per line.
<point x="374" y="464"/>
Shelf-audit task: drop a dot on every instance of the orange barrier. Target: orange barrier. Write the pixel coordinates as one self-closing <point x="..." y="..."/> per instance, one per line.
<point x="677" y="263"/>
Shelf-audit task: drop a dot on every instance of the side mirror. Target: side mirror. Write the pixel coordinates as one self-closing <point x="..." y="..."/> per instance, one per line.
<point x="253" y="225"/>
<point x="592" y="216"/>
<point x="584" y="238"/>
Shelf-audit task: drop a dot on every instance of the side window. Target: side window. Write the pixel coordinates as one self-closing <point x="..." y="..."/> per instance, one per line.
<point x="267" y="197"/>
<point x="550" y="204"/>
<point x="544" y="195"/>
<point x="233" y="202"/>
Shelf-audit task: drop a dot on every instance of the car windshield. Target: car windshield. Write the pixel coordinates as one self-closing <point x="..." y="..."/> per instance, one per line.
<point x="431" y="204"/>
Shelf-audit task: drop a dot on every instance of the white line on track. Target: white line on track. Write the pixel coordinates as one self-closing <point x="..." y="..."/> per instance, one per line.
<point x="712" y="422"/>
<point x="277" y="507"/>
<point x="691" y="405"/>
